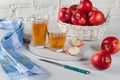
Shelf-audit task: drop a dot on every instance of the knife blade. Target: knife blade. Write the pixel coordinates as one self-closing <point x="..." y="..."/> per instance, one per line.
<point x="67" y="67"/>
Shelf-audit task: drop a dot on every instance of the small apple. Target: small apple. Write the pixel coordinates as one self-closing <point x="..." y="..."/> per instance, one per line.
<point x="64" y="14"/>
<point x="96" y="17"/>
<point x="73" y="51"/>
<point x="76" y="42"/>
<point x="111" y="44"/>
<point x="85" y="5"/>
<point x="79" y="18"/>
<point x="73" y="8"/>
<point x="101" y="60"/>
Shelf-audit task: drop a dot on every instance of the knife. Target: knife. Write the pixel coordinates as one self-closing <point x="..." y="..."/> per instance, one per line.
<point x="68" y="67"/>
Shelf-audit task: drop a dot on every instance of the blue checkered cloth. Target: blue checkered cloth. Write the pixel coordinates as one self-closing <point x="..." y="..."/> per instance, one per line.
<point x="15" y="64"/>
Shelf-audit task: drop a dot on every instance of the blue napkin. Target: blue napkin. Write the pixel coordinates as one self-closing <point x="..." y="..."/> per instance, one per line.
<point x="15" y="64"/>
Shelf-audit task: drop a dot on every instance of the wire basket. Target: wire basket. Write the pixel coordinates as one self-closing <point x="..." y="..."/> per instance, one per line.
<point x="87" y="32"/>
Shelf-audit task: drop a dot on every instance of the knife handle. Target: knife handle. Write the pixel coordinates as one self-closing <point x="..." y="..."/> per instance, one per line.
<point x="77" y="69"/>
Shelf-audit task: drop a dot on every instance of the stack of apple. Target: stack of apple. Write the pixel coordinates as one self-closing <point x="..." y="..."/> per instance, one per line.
<point x="81" y="14"/>
<point x="102" y="59"/>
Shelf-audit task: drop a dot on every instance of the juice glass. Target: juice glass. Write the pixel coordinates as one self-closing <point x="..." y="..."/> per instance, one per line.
<point x="56" y="38"/>
<point x="39" y="32"/>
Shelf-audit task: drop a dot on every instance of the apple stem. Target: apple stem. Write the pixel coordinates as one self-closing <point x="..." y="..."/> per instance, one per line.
<point x="107" y="59"/>
<point x="107" y="47"/>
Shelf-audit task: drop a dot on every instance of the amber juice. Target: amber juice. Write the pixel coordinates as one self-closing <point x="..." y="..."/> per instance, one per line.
<point x="56" y="40"/>
<point x="39" y="31"/>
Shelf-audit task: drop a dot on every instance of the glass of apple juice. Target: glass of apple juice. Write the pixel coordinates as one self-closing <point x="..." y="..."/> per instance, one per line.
<point x="39" y="32"/>
<point x="56" y="39"/>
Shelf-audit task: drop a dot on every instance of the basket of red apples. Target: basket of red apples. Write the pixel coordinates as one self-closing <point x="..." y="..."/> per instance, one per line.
<point x="83" y="20"/>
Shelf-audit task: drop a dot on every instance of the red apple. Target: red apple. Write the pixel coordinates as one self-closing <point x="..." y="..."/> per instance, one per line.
<point x="111" y="44"/>
<point x="73" y="8"/>
<point x="64" y="14"/>
<point x="79" y="18"/>
<point x="85" y="5"/>
<point x="96" y="17"/>
<point x="101" y="60"/>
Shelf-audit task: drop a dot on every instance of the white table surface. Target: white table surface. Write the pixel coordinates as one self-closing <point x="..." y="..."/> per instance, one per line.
<point x="59" y="73"/>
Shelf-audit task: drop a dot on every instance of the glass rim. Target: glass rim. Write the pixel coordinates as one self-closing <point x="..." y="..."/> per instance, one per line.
<point x="39" y="21"/>
<point x="57" y="34"/>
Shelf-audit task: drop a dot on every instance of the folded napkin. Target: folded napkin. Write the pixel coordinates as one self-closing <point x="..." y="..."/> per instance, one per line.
<point x="15" y="64"/>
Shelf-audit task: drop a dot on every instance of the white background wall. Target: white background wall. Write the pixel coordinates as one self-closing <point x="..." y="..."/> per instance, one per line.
<point x="26" y="9"/>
